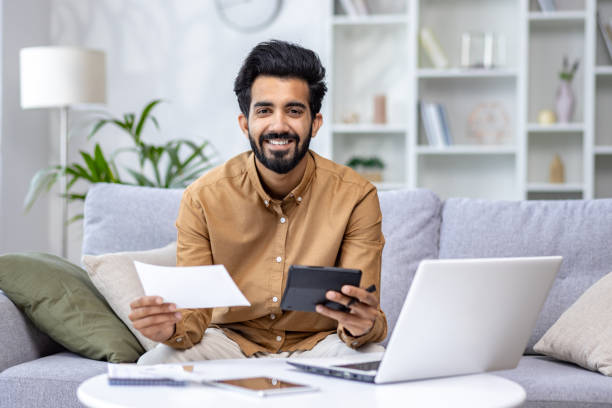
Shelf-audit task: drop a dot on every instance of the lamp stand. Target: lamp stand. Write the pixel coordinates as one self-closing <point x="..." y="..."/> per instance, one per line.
<point x="64" y="177"/>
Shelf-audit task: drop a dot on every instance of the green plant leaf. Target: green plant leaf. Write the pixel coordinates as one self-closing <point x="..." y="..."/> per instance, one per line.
<point x="354" y="162"/>
<point x="74" y="197"/>
<point x="102" y="165"/>
<point x="180" y="168"/>
<point x="79" y="171"/>
<point x="122" y="125"/>
<point x="197" y="152"/>
<point x="140" y="178"/>
<point x="174" y="163"/>
<point x="99" y="125"/>
<point x="144" y="115"/>
<point x="172" y="150"/>
<point x="128" y="120"/>
<point x="41" y="183"/>
<point x="117" y="152"/>
<point x="71" y="182"/>
<point x="155" y="122"/>
<point x="185" y="180"/>
<point x="91" y="165"/>
<point x="75" y="218"/>
<point x="197" y="147"/>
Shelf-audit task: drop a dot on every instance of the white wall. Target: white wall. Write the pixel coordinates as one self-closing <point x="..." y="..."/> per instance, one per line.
<point x="178" y="50"/>
<point x="24" y="137"/>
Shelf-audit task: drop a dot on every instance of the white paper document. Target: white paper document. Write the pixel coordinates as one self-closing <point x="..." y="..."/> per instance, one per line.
<point x="191" y="287"/>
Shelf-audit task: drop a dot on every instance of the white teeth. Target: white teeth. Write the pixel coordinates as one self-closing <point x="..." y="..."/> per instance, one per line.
<point x="278" y="141"/>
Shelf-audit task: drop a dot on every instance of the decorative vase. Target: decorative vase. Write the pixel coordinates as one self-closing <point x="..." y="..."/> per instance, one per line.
<point x="557" y="170"/>
<point x="565" y="102"/>
<point x="380" y="109"/>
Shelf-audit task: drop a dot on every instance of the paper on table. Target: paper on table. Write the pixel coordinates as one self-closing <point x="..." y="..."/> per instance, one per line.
<point x="191" y="287"/>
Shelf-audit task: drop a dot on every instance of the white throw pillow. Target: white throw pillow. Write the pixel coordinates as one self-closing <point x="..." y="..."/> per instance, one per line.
<point x="583" y="333"/>
<point x="115" y="277"/>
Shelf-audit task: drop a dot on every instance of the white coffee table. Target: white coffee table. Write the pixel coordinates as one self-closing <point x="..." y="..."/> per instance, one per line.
<point x="482" y="390"/>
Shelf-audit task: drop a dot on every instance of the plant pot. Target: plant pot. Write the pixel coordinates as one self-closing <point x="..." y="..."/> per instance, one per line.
<point x="565" y="102"/>
<point x="372" y="175"/>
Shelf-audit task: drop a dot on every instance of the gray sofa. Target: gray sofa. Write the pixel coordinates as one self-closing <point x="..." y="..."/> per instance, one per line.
<point x="36" y="372"/>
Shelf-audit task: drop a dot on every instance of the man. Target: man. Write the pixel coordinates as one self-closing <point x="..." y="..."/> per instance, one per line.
<point x="263" y="211"/>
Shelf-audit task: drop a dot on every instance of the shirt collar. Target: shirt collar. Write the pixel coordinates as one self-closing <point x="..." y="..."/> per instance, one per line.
<point x="296" y="194"/>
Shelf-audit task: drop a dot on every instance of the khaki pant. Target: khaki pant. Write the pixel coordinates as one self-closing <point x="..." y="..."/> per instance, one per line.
<point x="215" y="345"/>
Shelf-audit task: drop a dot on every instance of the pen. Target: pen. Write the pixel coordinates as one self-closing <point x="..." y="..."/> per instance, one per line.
<point x="371" y="289"/>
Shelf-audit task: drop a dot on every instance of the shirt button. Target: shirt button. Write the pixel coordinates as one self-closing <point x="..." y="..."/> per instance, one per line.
<point x="272" y="316"/>
<point x="278" y="338"/>
<point x="299" y="198"/>
<point x="179" y="339"/>
<point x="279" y="259"/>
<point x="275" y="299"/>
<point x="282" y="220"/>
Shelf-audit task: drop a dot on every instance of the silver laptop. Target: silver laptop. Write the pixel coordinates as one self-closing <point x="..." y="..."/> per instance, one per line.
<point x="461" y="316"/>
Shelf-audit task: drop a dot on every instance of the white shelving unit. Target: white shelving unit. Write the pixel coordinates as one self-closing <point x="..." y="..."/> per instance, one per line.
<point x="379" y="53"/>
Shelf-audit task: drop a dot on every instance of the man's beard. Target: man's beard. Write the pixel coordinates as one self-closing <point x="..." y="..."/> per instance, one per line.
<point x="279" y="163"/>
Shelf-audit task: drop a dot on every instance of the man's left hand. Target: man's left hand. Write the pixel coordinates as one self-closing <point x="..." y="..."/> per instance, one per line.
<point x="363" y="312"/>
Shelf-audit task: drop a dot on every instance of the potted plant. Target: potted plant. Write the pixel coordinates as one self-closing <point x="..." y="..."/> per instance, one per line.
<point x="174" y="164"/>
<point x="369" y="167"/>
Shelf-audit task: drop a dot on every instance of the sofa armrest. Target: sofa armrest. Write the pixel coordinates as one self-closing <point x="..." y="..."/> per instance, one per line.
<point x="21" y="340"/>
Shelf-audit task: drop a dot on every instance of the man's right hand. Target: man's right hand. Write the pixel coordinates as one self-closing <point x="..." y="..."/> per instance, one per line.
<point x="153" y="318"/>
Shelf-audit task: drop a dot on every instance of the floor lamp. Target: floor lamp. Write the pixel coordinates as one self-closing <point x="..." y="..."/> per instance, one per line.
<point x="64" y="78"/>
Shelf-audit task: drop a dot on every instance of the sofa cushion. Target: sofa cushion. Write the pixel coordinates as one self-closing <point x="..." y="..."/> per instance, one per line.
<point x="50" y="381"/>
<point x="127" y="218"/>
<point x="583" y="333"/>
<point x="60" y="300"/>
<point x="551" y="383"/>
<point x="115" y="276"/>
<point x="579" y="230"/>
<point x="21" y="341"/>
<point x="411" y="224"/>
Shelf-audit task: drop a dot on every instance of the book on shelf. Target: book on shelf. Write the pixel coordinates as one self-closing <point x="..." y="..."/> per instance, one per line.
<point x="354" y="8"/>
<point x="547" y="5"/>
<point x="606" y="33"/>
<point x="362" y="7"/>
<point x="435" y="123"/>
<point x="448" y="140"/>
<point x="432" y="48"/>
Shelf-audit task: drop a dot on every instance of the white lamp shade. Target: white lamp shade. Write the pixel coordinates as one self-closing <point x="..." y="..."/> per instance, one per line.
<point x="62" y="76"/>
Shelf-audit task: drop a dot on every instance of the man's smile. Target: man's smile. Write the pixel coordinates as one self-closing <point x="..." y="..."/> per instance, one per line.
<point x="278" y="141"/>
<point x="278" y="145"/>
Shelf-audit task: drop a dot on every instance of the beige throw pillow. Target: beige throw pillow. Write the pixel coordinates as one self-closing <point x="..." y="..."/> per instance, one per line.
<point x="115" y="277"/>
<point x="583" y="333"/>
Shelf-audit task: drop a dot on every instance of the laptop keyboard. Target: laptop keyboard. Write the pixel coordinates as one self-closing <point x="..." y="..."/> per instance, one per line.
<point x="367" y="366"/>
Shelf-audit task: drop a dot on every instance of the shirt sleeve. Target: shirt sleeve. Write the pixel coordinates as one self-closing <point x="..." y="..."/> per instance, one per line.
<point x="193" y="249"/>
<point x="361" y="248"/>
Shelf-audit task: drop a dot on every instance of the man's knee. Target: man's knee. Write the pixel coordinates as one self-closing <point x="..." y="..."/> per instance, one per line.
<point x="215" y="345"/>
<point x="158" y="355"/>
<point x="333" y="346"/>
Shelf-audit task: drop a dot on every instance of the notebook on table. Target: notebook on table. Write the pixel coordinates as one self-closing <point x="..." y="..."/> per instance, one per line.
<point x="160" y="374"/>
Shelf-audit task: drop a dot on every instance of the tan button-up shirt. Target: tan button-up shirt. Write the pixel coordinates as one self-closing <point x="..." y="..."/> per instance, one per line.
<point x="332" y="218"/>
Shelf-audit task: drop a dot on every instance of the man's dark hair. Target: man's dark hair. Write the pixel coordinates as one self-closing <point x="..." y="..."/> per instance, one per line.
<point x="285" y="60"/>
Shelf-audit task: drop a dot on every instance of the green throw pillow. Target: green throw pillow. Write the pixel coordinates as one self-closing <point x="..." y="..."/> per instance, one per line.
<point x="60" y="300"/>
